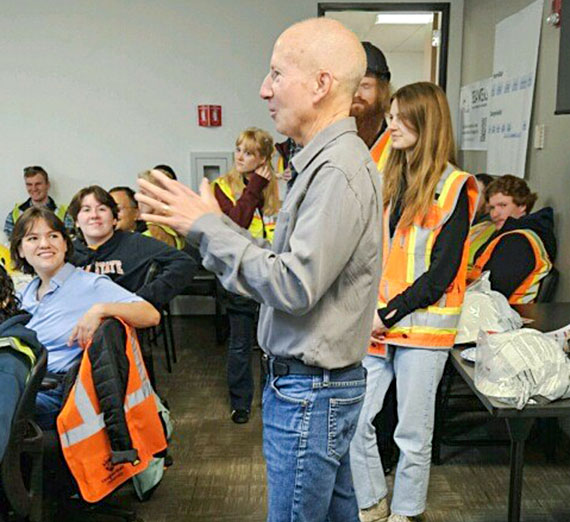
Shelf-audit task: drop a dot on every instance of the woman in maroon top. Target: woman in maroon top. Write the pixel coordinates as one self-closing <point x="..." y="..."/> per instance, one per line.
<point x="249" y="195"/>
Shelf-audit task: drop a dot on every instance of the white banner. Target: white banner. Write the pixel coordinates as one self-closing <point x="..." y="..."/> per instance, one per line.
<point x="512" y="90"/>
<point x="474" y="115"/>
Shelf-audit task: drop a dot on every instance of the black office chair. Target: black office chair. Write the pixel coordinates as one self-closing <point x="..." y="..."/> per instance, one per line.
<point x="548" y="287"/>
<point x="205" y="283"/>
<point x="470" y="404"/>
<point x="24" y="496"/>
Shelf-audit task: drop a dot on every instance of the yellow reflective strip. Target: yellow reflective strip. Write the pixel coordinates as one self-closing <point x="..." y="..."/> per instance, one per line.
<point x="422" y="330"/>
<point x="410" y="254"/>
<point x="447" y="187"/>
<point x="448" y="310"/>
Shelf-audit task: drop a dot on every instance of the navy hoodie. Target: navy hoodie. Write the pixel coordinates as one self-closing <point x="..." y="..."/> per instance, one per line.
<point x="513" y="258"/>
<point x="126" y="258"/>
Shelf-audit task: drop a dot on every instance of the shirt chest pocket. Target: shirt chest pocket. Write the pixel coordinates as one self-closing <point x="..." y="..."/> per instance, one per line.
<point x="281" y="231"/>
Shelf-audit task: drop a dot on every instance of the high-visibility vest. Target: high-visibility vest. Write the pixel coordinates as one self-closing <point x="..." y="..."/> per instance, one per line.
<point x="179" y="242"/>
<point x="408" y="255"/>
<point x="261" y="225"/>
<point x="59" y="211"/>
<point x="479" y="234"/>
<point x="380" y="150"/>
<point x="81" y="427"/>
<point x="19" y="346"/>
<point x="528" y="289"/>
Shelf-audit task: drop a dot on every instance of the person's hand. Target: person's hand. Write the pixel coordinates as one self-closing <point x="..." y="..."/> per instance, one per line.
<point x="378" y="329"/>
<point x="86" y="326"/>
<point x="179" y="206"/>
<point x="264" y="171"/>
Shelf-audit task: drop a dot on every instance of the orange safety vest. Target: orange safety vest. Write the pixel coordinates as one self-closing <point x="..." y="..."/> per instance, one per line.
<point x="479" y="234"/>
<point x="261" y="226"/>
<point x="528" y="289"/>
<point x="380" y="150"/>
<point x="84" y="440"/>
<point x="407" y="256"/>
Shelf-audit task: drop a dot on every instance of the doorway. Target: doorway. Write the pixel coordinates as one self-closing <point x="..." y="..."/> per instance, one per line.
<point x="413" y="37"/>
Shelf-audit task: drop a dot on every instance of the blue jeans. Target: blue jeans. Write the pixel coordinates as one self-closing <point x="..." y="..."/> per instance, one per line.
<point x="308" y="422"/>
<point x="48" y="406"/>
<point x="417" y="372"/>
<point x="13" y="375"/>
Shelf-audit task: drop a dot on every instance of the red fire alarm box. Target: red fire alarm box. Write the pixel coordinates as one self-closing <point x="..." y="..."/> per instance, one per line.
<point x="210" y="115"/>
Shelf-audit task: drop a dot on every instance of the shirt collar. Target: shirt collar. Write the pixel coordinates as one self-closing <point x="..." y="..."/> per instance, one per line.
<point x="321" y="140"/>
<point x="63" y="275"/>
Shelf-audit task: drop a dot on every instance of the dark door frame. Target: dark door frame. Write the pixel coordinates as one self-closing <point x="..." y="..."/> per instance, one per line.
<point x="442" y="7"/>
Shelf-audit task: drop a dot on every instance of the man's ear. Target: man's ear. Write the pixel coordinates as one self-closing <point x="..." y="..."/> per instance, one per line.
<point x="323" y="84"/>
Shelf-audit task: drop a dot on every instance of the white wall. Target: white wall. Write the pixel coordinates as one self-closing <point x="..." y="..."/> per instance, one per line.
<point x="98" y="91"/>
<point x="406" y="68"/>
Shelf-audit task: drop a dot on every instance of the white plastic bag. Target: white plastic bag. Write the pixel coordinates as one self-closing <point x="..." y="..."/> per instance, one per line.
<point x="515" y="367"/>
<point x="484" y="309"/>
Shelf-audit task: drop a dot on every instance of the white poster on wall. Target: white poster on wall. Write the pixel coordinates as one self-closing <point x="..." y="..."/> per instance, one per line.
<point x="517" y="40"/>
<point x="474" y="115"/>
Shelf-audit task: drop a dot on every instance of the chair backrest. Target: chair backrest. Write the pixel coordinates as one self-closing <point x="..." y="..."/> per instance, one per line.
<point x="548" y="287"/>
<point x="25" y="437"/>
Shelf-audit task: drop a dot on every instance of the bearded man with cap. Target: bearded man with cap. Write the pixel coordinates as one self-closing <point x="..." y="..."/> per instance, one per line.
<point x="371" y="103"/>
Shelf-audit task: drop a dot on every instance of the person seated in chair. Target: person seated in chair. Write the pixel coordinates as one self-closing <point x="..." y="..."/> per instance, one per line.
<point x="160" y="232"/>
<point x="125" y="256"/>
<point x="521" y="251"/>
<point x="128" y="207"/>
<point x="67" y="305"/>
<point x="37" y="185"/>
<point x="482" y="228"/>
<point x="19" y="350"/>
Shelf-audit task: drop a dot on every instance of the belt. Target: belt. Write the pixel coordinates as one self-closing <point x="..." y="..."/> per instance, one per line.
<point x="280" y="367"/>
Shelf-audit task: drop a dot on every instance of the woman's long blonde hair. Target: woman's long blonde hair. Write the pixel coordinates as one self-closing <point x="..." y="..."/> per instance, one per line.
<point x="424" y="109"/>
<point x="255" y="140"/>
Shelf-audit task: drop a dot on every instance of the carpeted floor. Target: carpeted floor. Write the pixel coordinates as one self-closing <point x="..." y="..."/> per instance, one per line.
<point x="218" y="472"/>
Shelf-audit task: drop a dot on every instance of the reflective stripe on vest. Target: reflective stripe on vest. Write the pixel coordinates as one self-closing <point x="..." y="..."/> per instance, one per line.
<point x="528" y="289"/>
<point x="16" y="344"/>
<point x="261" y="226"/>
<point x="380" y="150"/>
<point x="81" y="427"/>
<point x="478" y="236"/>
<point x="407" y="256"/>
<point x="60" y="211"/>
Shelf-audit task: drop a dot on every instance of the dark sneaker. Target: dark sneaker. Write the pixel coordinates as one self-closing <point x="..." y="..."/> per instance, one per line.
<point x="240" y="416"/>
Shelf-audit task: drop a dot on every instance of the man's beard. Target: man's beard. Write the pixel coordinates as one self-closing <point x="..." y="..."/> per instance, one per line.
<point x="366" y="114"/>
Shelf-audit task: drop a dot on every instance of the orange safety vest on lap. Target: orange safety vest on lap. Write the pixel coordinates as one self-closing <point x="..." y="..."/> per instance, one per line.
<point x="408" y="255"/>
<point x="81" y="428"/>
<point x="528" y="289"/>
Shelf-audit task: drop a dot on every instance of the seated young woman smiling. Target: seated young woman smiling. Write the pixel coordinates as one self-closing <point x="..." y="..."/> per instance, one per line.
<point x="67" y="304"/>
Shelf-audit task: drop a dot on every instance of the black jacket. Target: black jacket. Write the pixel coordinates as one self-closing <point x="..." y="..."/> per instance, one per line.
<point x="126" y="259"/>
<point x="513" y="259"/>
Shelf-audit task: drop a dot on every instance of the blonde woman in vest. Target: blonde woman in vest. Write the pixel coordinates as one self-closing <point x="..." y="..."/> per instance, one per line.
<point x="521" y="251"/>
<point x="160" y="232"/>
<point x="428" y="207"/>
<point x="249" y="195"/>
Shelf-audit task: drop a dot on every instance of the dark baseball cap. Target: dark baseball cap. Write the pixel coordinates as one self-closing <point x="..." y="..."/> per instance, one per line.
<point x="376" y="62"/>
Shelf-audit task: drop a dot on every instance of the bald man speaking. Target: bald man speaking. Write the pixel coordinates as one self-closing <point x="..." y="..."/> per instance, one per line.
<point x="317" y="282"/>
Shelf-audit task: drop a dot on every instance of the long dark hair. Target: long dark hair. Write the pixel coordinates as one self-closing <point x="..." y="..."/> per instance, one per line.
<point x="9" y="304"/>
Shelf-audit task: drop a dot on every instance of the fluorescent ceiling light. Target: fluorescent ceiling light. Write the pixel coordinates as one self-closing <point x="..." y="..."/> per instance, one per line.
<point x="404" y="18"/>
